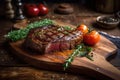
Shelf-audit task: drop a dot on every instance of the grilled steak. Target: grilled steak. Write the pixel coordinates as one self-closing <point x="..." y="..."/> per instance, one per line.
<point x="52" y="38"/>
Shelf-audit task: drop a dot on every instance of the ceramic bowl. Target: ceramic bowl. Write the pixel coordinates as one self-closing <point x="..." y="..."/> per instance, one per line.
<point x="107" y="22"/>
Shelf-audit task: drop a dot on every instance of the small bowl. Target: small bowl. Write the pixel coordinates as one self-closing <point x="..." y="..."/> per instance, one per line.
<point x="107" y="22"/>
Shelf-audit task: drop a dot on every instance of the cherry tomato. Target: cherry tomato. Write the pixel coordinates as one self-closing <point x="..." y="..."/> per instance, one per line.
<point x="91" y="38"/>
<point x="43" y="9"/>
<point x="83" y="28"/>
<point x="31" y="10"/>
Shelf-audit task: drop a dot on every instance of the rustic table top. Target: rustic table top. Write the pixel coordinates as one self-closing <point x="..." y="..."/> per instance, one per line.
<point x="14" y="68"/>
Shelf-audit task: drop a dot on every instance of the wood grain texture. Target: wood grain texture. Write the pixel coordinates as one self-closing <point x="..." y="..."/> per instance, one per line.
<point x="54" y="61"/>
<point x="81" y="65"/>
<point x="81" y="15"/>
<point x="29" y="73"/>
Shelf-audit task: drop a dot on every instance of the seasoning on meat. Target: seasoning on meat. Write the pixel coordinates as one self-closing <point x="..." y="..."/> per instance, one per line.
<point x="52" y="38"/>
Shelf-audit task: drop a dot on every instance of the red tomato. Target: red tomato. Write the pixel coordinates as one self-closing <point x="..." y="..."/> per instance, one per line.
<point x="91" y="38"/>
<point x="43" y="9"/>
<point x="83" y="28"/>
<point x="31" y="10"/>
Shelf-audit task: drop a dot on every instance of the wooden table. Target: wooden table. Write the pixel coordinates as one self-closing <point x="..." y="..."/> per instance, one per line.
<point x="12" y="68"/>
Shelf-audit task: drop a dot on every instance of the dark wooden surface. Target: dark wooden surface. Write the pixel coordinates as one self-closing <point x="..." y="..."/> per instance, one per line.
<point x="12" y="68"/>
<point x="79" y="65"/>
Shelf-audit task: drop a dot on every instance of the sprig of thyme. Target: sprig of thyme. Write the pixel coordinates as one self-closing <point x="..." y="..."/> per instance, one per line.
<point x="81" y="51"/>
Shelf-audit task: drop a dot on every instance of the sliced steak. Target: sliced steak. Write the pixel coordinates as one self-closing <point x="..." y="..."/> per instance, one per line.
<point x="52" y="38"/>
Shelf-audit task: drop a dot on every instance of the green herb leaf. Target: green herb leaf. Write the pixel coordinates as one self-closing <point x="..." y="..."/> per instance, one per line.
<point x="67" y="28"/>
<point x="89" y="57"/>
<point x="22" y="33"/>
<point x="81" y="51"/>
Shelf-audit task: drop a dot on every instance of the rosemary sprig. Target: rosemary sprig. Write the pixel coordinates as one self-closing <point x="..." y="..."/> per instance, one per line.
<point x="22" y="33"/>
<point x="81" y="51"/>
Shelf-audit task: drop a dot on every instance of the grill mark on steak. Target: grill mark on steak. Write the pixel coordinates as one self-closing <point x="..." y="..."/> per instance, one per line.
<point x="52" y="38"/>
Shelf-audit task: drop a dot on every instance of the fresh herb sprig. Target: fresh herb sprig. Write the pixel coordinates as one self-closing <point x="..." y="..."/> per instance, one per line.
<point x="81" y="51"/>
<point x="22" y="33"/>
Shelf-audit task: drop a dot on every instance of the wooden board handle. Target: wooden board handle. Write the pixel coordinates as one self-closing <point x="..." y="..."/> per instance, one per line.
<point x="101" y="66"/>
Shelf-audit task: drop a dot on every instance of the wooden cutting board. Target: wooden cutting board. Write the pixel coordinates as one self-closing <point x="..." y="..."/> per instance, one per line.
<point x="100" y="68"/>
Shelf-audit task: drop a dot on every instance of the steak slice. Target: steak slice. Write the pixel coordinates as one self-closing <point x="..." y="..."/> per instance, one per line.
<point x="52" y="38"/>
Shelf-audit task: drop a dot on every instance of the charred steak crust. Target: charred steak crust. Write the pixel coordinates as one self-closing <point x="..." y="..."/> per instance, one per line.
<point x="52" y="38"/>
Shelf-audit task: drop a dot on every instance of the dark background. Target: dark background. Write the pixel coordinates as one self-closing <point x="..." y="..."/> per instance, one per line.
<point x="92" y="4"/>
